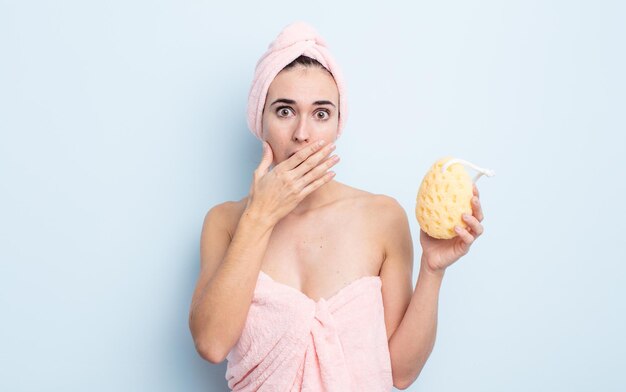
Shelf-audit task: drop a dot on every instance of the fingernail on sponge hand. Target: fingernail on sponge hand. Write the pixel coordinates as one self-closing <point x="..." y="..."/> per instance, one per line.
<point x="444" y="196"/>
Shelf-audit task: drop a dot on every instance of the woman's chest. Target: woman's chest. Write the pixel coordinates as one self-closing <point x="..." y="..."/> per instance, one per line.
<point x="326" y="252"/>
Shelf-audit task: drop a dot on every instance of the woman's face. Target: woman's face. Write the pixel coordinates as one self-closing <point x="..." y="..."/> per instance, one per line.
<point x="302" y="107"/>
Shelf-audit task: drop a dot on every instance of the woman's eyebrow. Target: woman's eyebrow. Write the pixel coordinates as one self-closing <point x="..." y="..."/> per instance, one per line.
<point x="291" y="102"/>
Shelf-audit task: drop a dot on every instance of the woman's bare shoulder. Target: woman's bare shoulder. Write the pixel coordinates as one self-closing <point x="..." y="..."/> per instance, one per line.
<point x="375" y="201"/>
<point x="227" y="213"/>
<point x="229" y="206"/>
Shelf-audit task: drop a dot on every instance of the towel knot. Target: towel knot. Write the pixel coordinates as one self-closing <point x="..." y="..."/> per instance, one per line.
<point x="322" y="313"/>
<point x="297" y="32"/>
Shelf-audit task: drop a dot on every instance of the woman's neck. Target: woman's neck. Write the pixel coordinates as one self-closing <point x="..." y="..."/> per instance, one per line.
<point x="323" y="195"/>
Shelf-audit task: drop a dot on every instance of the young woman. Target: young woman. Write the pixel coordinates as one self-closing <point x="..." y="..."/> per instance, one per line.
<point x="306" y="283"/>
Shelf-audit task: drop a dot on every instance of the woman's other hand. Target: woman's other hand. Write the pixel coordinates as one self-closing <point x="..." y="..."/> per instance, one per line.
<point x="439" y="254"/>
<point x="275" y="193"/>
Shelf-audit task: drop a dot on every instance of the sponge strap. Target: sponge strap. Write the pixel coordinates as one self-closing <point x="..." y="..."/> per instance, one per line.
<point x="482" y="171"/>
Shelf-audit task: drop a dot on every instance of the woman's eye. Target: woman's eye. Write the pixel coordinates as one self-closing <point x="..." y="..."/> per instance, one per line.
<point x="325" y="116"/>
<point x="283" y="112"/>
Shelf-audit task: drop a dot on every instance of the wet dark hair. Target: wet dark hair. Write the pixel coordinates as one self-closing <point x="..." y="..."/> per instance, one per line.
<point x="307" y="62"/>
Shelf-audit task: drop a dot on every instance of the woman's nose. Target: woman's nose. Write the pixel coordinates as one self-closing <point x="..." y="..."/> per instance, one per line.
<point x="302" y="132"/>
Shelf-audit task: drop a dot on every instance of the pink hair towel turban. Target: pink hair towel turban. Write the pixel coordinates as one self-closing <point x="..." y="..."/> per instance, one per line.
<point x="298" y="38"/>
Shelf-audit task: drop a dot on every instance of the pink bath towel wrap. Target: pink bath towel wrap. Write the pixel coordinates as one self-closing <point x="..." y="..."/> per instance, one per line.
<point x="292" y="343"/>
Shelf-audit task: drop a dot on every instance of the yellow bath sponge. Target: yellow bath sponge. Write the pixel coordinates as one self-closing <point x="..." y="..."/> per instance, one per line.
<point x="444" y="196"/>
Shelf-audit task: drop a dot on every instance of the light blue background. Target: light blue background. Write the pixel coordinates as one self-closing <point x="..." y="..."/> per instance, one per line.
<point x="123" y="122"/>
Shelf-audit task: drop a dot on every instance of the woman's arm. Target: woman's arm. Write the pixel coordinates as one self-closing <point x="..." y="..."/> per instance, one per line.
<point x="412" y="342"/>
<point x="227" y="280"/>
<point x="230" y="268"/>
